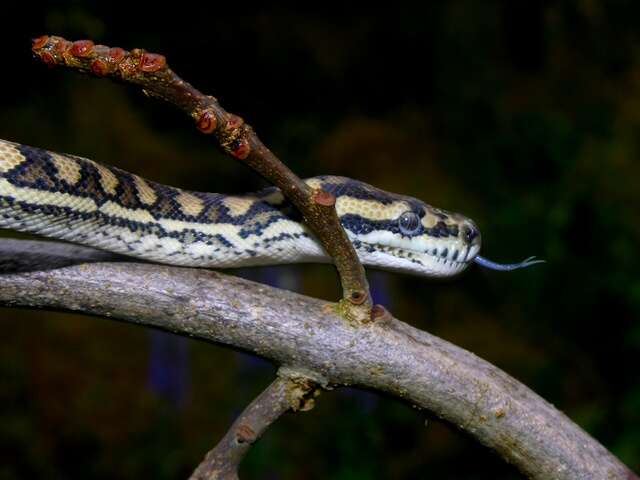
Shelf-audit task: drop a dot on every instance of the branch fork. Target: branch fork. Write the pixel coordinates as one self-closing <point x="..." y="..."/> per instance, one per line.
<point x="284" y="394"/>
<point x="320" y="348"/>
<point x="235" y="137"/>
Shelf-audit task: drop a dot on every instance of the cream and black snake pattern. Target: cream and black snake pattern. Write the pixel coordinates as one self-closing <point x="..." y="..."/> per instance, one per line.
<point x="75" y="199"/>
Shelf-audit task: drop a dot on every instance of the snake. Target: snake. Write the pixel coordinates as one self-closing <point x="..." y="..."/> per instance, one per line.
<point x="74" y="199"/>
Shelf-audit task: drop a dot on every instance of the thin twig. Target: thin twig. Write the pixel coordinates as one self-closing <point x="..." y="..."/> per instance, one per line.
<point x="307" y="334"/>
<point x="236" y="138"/>
<point x="284" y="394"/>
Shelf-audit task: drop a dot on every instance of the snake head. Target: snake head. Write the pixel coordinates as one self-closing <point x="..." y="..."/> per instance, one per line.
<point x="400" y="233"/>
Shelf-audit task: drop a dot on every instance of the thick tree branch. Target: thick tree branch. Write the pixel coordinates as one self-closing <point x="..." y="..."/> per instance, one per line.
<point x="151" y="72"/>
<point x="307" y="335"/>
<point x="285" y="393"/>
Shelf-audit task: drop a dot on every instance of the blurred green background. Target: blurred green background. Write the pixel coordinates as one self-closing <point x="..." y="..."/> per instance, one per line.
<point x="522" y="115"/>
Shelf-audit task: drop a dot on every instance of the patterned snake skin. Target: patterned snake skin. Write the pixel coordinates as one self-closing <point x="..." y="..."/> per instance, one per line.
<point x="78" y="200"/>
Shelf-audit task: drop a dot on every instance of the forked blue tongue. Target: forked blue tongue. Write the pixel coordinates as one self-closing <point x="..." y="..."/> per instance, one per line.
<point x="506" y="267"/>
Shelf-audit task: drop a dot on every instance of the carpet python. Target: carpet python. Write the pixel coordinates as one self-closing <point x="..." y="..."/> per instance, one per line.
<point x="75" y="199"/>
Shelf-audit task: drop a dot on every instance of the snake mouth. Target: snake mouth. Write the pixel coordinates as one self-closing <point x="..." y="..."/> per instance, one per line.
<point x="455" y="255"/>
<point x="443" y="261"/>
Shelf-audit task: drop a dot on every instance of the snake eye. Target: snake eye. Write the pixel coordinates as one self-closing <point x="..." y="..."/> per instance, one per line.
<point x="409" y="223"/>
<point x="469" y="234"/>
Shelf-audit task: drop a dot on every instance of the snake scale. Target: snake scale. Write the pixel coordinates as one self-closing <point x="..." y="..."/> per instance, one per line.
<point x="75" y="199"/>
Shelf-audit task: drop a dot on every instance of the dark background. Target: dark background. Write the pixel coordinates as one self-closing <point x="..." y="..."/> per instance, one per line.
<point x="522" y="115"/>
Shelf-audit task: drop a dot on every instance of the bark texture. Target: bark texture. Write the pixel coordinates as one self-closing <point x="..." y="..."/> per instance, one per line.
<point x="307" y="336"/>
<point x="285" y="393"/>
<point x="236" y="138"/>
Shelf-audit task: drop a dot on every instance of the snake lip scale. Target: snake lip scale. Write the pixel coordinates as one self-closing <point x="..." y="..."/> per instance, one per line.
<point x="75" y="199"/>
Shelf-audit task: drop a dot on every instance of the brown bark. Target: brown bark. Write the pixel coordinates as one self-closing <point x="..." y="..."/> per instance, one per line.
<point x="307" y="336"/>
<point x="236" y="138"/>
<point x="223" y="461"/>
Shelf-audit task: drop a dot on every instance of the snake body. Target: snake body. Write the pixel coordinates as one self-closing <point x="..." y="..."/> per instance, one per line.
<point x="75" y="199"/>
